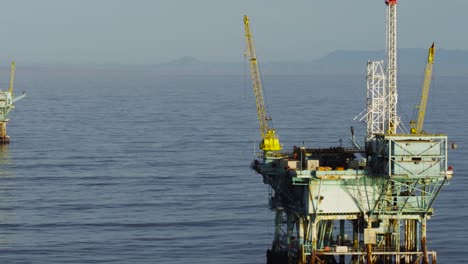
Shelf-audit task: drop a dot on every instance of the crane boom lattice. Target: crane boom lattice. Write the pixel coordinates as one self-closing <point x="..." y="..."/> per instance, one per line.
<point x="418" y="126"/>
<point x="270" y="140"/>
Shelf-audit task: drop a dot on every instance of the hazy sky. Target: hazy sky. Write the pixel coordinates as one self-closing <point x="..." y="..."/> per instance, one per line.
<point x="155" y="31"/>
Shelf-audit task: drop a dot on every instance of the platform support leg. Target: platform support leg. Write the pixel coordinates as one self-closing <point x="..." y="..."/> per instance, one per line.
<point x="4" y="138"/>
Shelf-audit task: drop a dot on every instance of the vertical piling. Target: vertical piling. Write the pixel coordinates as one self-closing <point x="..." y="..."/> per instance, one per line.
<point x="423" y="241"/>
<point x="342" y="239"/>
<point x="4" y="138"/>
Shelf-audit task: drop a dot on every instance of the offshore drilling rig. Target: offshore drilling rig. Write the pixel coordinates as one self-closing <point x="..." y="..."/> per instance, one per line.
<point x="355" y="205"/>
<point x="7" y="100"/>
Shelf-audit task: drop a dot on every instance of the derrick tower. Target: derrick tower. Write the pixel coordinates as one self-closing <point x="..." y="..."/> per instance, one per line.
<point x="377" y="105"/>
<point x="392" y="65"/>
<point x="382" y="93"/>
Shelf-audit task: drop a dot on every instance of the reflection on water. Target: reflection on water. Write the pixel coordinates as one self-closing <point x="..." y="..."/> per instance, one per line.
<point x="4" y="155"/>
<point x="6" y="193"/>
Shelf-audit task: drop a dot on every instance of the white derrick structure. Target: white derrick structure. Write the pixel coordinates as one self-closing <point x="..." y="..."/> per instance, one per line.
<point x="376" y="99"/>
<point x="393" y="120"/>
<point x="382" y="93"/>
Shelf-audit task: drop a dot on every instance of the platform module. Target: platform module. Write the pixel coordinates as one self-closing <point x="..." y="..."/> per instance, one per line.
<point x="7" y="103"/>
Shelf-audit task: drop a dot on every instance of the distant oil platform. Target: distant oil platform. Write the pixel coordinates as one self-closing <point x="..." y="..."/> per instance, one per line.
<point x="362" y="204"/>
<point x="7" y="103"/>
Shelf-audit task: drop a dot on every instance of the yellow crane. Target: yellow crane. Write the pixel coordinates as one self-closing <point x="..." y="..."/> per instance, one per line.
<point x="417" y="127"/>
<point x="12" y="77"/>
<point x="270" y="141"/>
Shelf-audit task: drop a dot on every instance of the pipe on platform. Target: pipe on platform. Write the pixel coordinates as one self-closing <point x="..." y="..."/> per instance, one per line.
<point x="369" y="254"/>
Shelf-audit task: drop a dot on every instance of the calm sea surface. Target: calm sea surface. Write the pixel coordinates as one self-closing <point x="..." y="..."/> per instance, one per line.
<point x="125" y="166"/>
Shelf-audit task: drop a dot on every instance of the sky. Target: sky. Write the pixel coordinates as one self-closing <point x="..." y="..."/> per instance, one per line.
<point x="158" y="31"/>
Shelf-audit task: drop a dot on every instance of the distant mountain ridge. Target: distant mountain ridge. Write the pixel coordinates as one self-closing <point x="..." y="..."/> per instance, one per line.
<point x="410" y="61"/>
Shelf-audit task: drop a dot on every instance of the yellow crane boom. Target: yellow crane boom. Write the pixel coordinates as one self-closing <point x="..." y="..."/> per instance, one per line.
<point x="417" y="127"/>
<point x="270" y="140"/>
<point x="12" y="77"/>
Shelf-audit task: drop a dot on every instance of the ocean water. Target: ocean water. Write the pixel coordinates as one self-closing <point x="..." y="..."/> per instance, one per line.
<point x="117" y="165"/>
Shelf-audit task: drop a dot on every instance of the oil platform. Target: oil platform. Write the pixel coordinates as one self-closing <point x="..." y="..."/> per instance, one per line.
<point x="7" y="100"/>
<point x="366" y="204"/>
